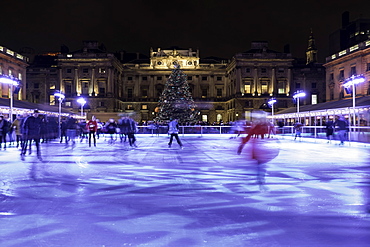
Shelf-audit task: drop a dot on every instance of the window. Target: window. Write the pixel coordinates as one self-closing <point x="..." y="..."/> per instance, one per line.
<point x="101" y="104"/>
<point x="69" y="71"/>
<point x="368" y="67"/>
<point x="36" y="85"/>
<point x="281" y="70"/>
<point x="263" y="70"/>
<point x="281" y="87"/>
<point x="247" y="88"/>
<point x="144" y="92"/>
<point x="144" y="107"/>
<point x="130" y="107"/>
<point x="298" y="85"/>
<point x="129" y="93"/>
<point x="313" y="85"/>
<point x="159" y="78"/>
<point x="19" y="76"/>
<point x="204" y="93"/>
<point x="68" y="88"/>
<point x="219" y="92"/>
<point x="313" y="99"/>
<point x="204" y="78"/>
<point x="341" y="75"/>
<point x="204" y="118"/>
<point x="190" y="78"/>
<point x="102" y="90"/>
<point x="219" y="118"/>
<point x="129" y="78"/>
<point x="102" y="70"/>
<point x="68" y="104"/>
<point x="353" y="70"/>
<point x="219" y="78"/>
<point x="247" y="70"/>
<point x="145" y="78"/>
<point x="85" y="70"/>
<point x="331" y="78"/>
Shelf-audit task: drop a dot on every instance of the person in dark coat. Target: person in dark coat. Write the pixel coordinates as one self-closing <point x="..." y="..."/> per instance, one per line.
<point x="4" y="128"/>
<point x="32" y="129"/>
<point x="342" y="124"/>
<point x="329" y="127"/>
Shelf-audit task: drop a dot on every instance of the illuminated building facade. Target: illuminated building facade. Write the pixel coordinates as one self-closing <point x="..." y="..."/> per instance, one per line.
<point x="222" y="90"/>
<point x="340" y="66"/>
<point x="12" y="65"/>
<point x="255" y="76"/>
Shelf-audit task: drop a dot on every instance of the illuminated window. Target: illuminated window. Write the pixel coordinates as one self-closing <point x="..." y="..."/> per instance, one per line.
<point x="204" y="118"/>
<point x="130" y="107"/>
<point x="219" y="117"/>
<point x="144" y="107"/>
<point x="102" y="70"/>
<point x="247" y="88"/>
<point x="68" y="104"/>
<point x="314" y="99"/>
<point x="19" y="76"/>
<point x="52" y="87"/>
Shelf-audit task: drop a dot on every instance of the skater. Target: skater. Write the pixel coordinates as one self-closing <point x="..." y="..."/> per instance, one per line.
<point x="173" y="130"/>
<point x="342" y="124"/>
<point x="329" y="127"/>
<point x="32" y="129"/>
<point x="298" y="129"/>
<point x="3" y="131"/>
<point x="92" y="126"/>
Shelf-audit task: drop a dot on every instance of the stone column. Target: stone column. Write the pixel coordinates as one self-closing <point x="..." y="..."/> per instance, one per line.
<point x="273" y="82"/>
<point x="77" y="85"/>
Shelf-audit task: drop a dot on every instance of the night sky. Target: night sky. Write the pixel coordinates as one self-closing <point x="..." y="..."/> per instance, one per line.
<point x="216" y="27"/>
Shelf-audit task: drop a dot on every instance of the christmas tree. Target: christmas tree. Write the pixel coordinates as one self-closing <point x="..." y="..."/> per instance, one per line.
<point x="176" y="101"/>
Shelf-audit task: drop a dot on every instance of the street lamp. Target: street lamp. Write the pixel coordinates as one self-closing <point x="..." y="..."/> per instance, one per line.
<point x="12" y="82"/>
<point x="271" y="102"/>
<point x="82" y="101"/>
<point x="60" y="97"/>
<point x="352" y="81"/>
<point x="296" y="97"/>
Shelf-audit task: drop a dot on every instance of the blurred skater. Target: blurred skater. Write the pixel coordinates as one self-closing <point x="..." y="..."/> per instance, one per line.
<point x="342" y="124"/>
<point x="92" y="127"/>
<point x="173" y="130"/>
<point x="329" y="128"/>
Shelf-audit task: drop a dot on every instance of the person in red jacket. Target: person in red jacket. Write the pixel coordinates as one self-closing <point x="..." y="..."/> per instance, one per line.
<point x="92" y="126"/>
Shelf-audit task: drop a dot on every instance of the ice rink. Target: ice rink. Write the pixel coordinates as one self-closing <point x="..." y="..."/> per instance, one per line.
<point x="306" y="194"/>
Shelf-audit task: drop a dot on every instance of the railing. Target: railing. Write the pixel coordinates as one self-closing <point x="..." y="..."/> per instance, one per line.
<point x="356" y="134"/>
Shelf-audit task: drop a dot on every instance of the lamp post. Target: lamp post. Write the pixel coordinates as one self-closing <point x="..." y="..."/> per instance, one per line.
<point x="60" y="97"/>
<point x="271" y="102"/>
<point x="296" y="96"/>
<point x="82" y="101"/>
<point x="351" y="82"/>
<point x="12" y="82"/>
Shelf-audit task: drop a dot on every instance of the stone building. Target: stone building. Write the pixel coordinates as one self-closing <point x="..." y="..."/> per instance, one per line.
<point x="115" y="83"/>
<point x="340" y="66"/>
<point x="13" y="65"/>
<point x="144" y="81"/>
<point x="254" y="77"/>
